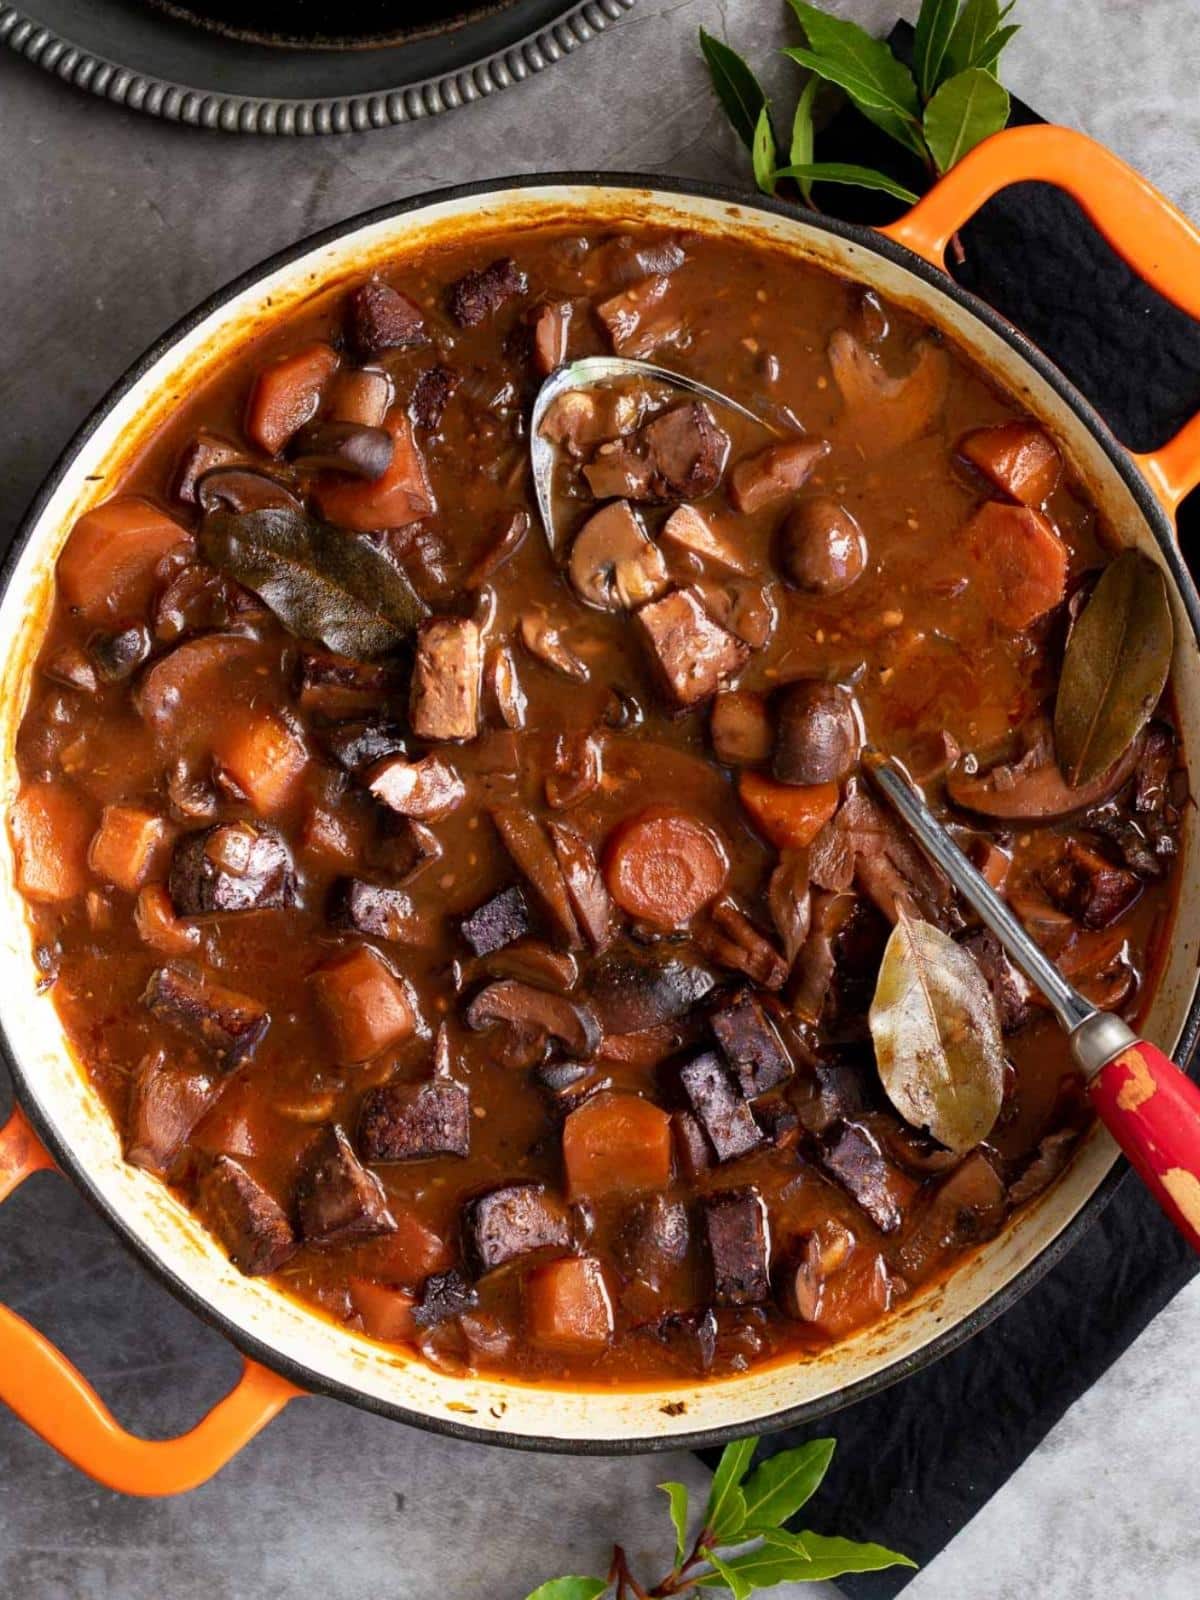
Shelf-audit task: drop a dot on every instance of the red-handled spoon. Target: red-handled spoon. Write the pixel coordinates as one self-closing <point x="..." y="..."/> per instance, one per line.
<point x="1150" y="1107"/>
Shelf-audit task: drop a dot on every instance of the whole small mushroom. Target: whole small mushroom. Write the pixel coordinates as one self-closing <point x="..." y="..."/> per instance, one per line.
<point x="818" y="735"/>
<point x="822" y="549"/>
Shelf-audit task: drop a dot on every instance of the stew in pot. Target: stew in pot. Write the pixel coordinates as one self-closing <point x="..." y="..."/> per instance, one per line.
<point x="483" y="938"/>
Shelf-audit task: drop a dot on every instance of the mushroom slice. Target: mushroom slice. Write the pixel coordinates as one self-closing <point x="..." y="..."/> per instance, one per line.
<point x="503" y="687"/>
<point x="689" y="530"/>
<point x="425" y="789"/>
<point x="894" y="410"/>
<point x="614" y="563"/>
<point x="521" y="1005"/>
<point x="1034" y="789"/>
<point x="542" y="639"/>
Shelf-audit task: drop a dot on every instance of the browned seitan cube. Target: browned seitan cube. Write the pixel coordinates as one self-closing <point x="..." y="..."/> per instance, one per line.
<point x="693" y="656"/>
<point x="719" y="1107"/>
<point x="444" y="697"/>
<point x="776" y="473"/>
<point x="228" y="1024"/>
<point x="751" y="1045"/>
<point x="382" y="912"/>
<point x="166" y="1101"/>
<point x="410" y="1121"/>
<point x="336" y="1197"/>
<point x="235" y="866"/>
<point x="678" y="455"/>
<point x="499" y="921"/>
<point x="735" y="1227"/>
<point x="479" y="295"/>
<point x="851" y="1154"/>
<point x="248" y="1221"/>
<point x="427" y="789"/>
<point x="383" y="318"/>
<point x="513" y="1221"/>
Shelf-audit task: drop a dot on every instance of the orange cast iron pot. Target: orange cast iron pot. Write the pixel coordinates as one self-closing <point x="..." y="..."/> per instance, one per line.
<point x="46" y="1390"/>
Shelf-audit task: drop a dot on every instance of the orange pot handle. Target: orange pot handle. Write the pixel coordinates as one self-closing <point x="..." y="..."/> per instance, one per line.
<point x="1142" y="226"/>
<point x="53" y="1397"/>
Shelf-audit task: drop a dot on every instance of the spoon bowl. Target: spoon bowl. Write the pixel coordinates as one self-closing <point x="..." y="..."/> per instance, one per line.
<point x="589" y="373"/>
<point x="1150" y="1107"/>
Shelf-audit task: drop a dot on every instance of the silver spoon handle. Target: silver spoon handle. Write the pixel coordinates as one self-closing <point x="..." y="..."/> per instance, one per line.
<point x="1072" y="1010"/>
<point x="1096" y="1036"/>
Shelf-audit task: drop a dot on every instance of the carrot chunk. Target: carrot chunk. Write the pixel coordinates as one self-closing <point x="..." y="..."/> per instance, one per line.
<point x="109" y="564"/>
<point x="333" y="838"/>
<point x="1019" y="562"/>
<point x="265" y="758"/>
<point x="386" y="1312"/>
<point x="407" y="1255"/>
<point x="789" y="815"/>
<point x="616" y="1144"/>
<point x="366" y="1007"/>
<point x="567" y="1306"/>
<point x="286" y="395"/>
<point x="51" y="831"/>
<point x="130" y="846"/>
<point x="663" y="866"/>
<point x="1017" y="457"/>
<point x="400" y="496"/>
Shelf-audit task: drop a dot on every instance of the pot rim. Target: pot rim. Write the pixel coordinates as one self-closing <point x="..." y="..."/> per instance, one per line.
<point x="1148" y="506"/>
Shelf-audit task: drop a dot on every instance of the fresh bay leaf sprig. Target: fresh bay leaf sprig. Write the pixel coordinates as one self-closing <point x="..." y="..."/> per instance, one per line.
<point x="743" y="1543"/>
<point x="938" y="109"/>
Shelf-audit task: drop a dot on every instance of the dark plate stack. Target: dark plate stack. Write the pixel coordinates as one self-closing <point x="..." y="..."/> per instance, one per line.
<point x="299" y="66"/>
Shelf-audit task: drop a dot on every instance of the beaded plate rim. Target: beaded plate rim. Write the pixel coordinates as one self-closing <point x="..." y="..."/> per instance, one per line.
<point x="349" y="113"/>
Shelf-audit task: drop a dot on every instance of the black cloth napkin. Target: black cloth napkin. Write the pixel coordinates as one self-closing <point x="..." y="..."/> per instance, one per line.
<point x="915" y="1463"/>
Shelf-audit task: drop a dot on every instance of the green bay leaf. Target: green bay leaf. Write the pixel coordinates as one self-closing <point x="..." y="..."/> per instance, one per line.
<point x="844" y="172"/>
<point x="934" y="27"/>
<point x="882" y="87"/>
<point x="831" y="1557"/>
<point x="677" y="1496"/>
<point x="570" y="1589"/>
<point x="874" y="104"/>
<point x="725" y="1510"/>
<point x="761" y="1568"/>
<point x="977" y="22"/>
<point x="965" y="111"/>
<point x="783" y="1484"/>
<point x="989" y="55"/>
<point x="739" y="1586"/>
<point x="738" y="90"/>
<point x="800" y="149"/>
<point x="762" y="152"/>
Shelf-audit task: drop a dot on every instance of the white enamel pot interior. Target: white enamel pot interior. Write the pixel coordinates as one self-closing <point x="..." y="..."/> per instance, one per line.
<point x="311" y="1350"/>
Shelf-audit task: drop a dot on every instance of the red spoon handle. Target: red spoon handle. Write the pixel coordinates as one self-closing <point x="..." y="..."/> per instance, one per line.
<point x="1152" y="1110"/>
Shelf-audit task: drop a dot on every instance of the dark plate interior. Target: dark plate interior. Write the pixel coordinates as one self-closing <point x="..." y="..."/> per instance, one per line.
<point x="328" y="24"/>
<point x="438" y="37"/>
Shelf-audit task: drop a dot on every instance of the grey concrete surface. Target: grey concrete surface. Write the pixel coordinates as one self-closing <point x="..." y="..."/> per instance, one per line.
<point x="111" y="226"/>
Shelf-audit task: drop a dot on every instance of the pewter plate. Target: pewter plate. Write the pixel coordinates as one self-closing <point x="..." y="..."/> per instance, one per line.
<point x="151" y="60"/>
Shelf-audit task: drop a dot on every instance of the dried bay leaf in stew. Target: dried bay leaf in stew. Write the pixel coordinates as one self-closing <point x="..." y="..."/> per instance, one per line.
<point x="1115" y="668"/>
<point x="321" y="582"/>
<point x="937" y="1037"/>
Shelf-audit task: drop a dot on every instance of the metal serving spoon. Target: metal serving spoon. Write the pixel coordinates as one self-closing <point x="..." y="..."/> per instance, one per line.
<point x="1150" y="1107"/>
<point x="589" y="373"/>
